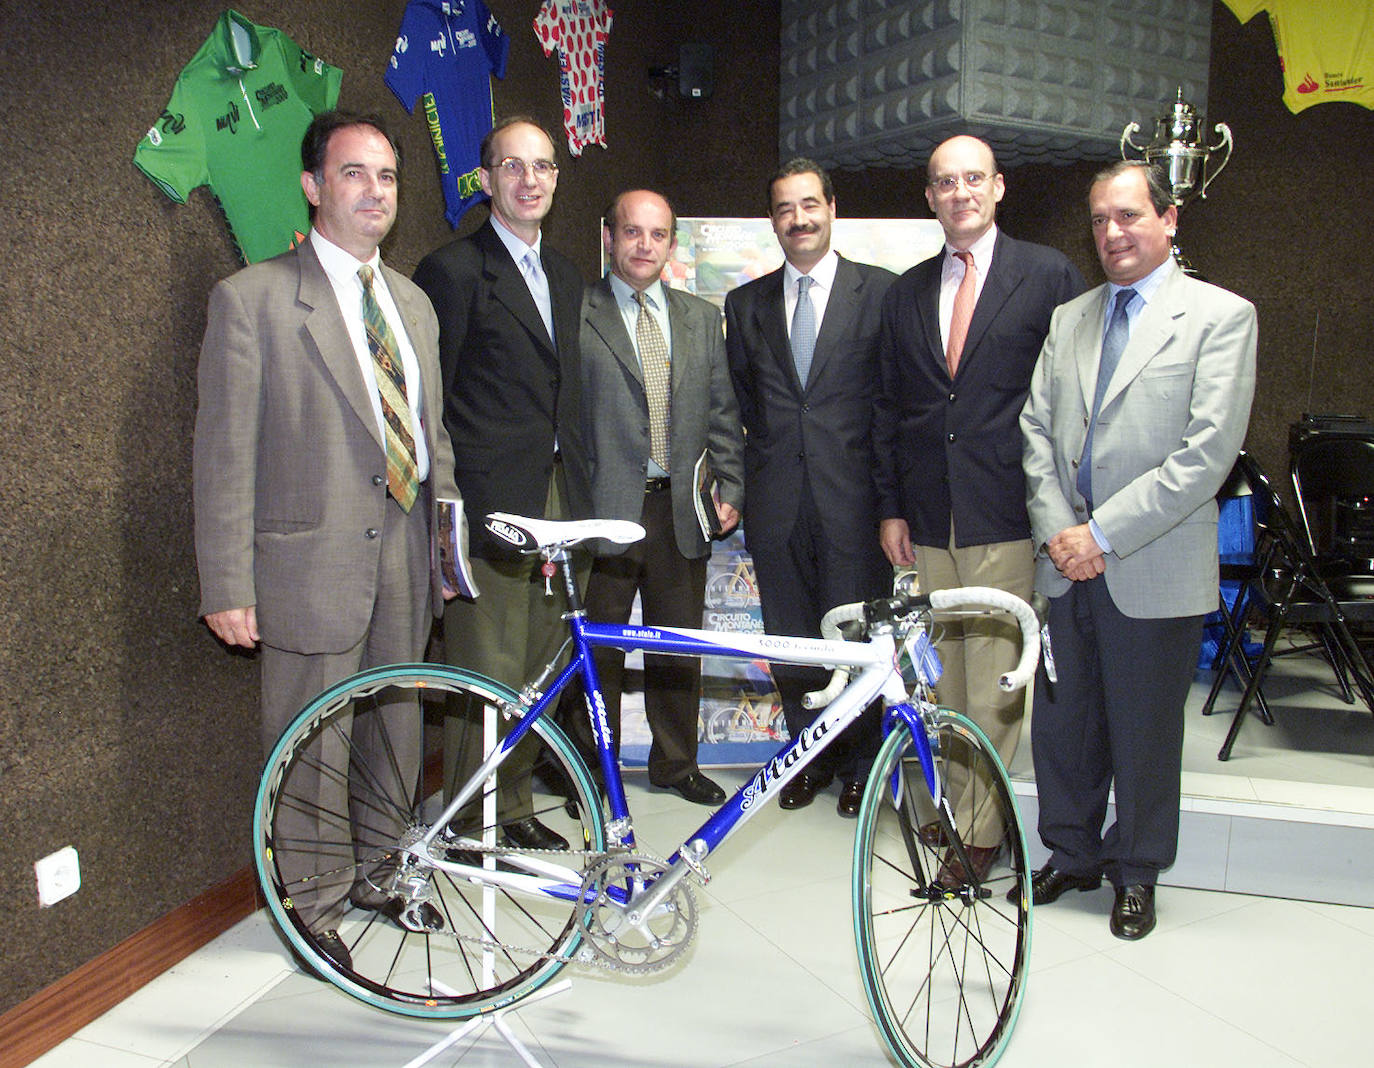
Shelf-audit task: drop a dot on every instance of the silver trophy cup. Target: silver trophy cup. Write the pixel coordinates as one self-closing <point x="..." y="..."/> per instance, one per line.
<point x="1180" y="151"/>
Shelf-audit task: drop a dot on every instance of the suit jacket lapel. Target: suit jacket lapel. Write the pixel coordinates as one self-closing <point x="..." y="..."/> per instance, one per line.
<point x="840" y="308"/>
<point x="928" y="308"/>
<point x="509" y="288"/>
<point x="770" y="317"/>
<point x="1088" y="345"/>
<point x="1003" y="278"/>
<point x="411" y="314"/>
<point x="682" y="337"/>
<point x="327" y="330"/>
<point x="1152" y="330"/>
<point x="603" y="316"/>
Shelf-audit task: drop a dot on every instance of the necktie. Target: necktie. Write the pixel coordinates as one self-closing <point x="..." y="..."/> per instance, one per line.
<point x="653" y="360"/>
<point x="538" y="283"/>
<point x="402" y="475"/>
<point x="1113" y="344"/>
<point x="965" y="297"/>
<point x="804" y="328"/>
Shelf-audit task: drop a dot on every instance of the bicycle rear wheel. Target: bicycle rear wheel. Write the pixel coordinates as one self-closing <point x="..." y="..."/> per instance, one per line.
<point x="357" y="775"/>
<point x="944" y="956"/>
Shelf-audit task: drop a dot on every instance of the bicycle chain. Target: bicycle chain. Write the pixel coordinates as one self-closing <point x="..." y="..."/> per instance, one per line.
<point x="585" y="955"/>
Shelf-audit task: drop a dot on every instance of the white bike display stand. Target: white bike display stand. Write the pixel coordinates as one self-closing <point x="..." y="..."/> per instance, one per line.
<point x="495" y="1019"/>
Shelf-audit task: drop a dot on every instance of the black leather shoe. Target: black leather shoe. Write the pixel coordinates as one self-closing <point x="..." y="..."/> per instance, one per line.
<point x="697" y="788"/>
<point x="529" y="833"/>
<point x="1049" y="884"/>
<point x="850" y="796"/>
<point x="1133" y="912"/>
<point x="366" y="899"/>
<point x="802" y="790"/>
<point x="332" y="946"/>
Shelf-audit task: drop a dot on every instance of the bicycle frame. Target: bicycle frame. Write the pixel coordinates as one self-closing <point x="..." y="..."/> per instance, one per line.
<point x="876" y="664"/>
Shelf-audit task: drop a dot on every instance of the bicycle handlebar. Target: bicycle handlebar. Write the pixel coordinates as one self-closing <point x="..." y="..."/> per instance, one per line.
<point x="889" y="608"/>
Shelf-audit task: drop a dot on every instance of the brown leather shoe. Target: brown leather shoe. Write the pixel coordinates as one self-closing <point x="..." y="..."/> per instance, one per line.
<point x="932" y="836"/>
<point x="952" y="874"/>
<point x="802" y="790"/>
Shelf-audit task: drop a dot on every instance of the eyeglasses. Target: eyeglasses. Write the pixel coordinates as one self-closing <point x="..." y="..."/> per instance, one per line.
<point x="514" y="167"/>
<point x="946" y="184"/>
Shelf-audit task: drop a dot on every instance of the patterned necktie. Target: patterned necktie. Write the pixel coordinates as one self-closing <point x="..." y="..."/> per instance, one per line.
<point x="965" y="297"/>
<point x="804" y="328"/>
<point x="1113" y="344"/>
<point x="402" y="474"/>
<point x="538" y="284"/>
<point x="653" y="360"/>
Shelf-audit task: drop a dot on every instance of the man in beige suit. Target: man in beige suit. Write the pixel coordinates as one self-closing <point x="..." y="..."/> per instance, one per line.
<point x="312" y="539"/>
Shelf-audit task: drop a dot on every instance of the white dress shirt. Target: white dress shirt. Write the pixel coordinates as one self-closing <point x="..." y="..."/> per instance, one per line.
<point x="342" y="270"/>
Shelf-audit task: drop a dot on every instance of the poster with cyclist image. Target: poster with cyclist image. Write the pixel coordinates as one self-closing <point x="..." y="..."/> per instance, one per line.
<point x="741" y="720"/>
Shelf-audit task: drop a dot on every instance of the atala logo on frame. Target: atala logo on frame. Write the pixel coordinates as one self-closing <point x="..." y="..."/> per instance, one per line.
<point x="506" y="532"/>
<point x="768" y="775"/>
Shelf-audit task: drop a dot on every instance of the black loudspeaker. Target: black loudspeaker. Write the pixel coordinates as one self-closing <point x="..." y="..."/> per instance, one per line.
<point x="696" y="70"/>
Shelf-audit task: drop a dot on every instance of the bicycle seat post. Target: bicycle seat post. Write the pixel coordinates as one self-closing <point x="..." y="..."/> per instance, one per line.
<point x="558" y="557"/>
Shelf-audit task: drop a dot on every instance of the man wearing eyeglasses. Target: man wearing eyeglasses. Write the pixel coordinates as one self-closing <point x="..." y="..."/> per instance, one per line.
<point x="508" y="308"/>
<point x="960" y="335"/>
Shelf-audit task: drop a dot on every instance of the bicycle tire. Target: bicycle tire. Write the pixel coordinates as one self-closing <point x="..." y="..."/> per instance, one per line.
<point x="944" y="960"/>
<point x="329" y="811"/>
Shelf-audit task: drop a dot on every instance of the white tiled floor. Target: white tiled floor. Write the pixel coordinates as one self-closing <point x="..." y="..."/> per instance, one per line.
<point x="772" y="980"/>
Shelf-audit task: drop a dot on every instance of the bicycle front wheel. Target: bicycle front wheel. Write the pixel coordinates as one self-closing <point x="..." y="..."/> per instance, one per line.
<point x="358" y="777"/>
<point x="943" y="953"/>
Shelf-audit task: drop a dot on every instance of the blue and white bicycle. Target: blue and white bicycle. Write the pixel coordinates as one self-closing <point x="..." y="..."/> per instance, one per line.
<point x="402" y="890"/>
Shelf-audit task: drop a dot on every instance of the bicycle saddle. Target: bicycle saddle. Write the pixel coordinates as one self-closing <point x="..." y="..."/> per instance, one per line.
<point x="529" y="534"/>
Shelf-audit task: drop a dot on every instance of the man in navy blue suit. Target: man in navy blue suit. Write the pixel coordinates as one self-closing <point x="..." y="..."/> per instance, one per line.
<point x="960" y="335"/>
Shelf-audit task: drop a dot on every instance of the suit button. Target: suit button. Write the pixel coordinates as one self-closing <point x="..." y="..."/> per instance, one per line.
<point x="951" y="398"/>
<point x="951" y="437"/>
<point x="370" y="532"/>
<point x="379" y="480"/>
<point x="801" y="456"/>
<point x="806" y="407"/>
<point x="1073" y="464"/>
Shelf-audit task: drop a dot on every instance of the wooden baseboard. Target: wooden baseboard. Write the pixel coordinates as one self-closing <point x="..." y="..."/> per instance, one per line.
<point x="58" y="1011"/>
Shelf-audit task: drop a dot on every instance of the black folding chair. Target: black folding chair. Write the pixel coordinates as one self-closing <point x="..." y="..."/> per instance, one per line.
<point x="1293" y="590"/>
<point x="1237" y="541"/>
<point x="1333" y="482"/>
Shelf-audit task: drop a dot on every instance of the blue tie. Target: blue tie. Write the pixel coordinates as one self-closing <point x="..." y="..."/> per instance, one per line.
<point x="1113" y="344"/>
<point x="538" y="284"/>
<point x="804" y="328"/>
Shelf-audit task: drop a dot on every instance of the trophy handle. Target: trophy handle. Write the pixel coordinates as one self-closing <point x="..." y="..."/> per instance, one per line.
<point x="1132" y="128"/>
<point x="1225" y="143"/>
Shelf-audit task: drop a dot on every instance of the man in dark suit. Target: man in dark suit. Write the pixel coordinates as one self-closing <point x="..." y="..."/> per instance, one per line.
<point x="961" y="332"/>
<point x="806" y="384"/>
<point x="657" y="395"/>
<point x="508" y="309"/>
<point x="1137" y="409"/>
<point x="315" y="474"/>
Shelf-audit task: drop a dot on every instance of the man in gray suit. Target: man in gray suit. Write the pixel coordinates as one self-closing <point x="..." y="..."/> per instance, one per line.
<point x="315" y="472"/>
<point x="656" y="393"/>
<point x="1136" y="412"/>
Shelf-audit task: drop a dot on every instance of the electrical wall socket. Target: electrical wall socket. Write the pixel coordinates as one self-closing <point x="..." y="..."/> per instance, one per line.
<point x="59" y="876"/>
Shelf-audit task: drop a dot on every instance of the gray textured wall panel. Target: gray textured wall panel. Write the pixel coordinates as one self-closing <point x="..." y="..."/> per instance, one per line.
<point x="867" y="82"/>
